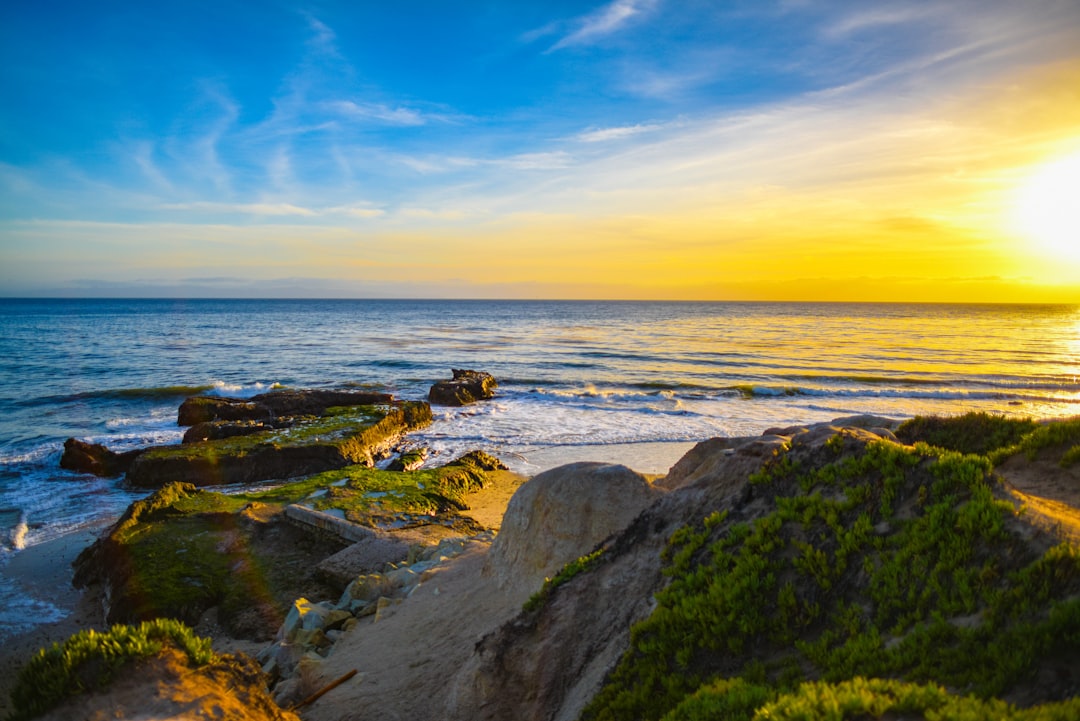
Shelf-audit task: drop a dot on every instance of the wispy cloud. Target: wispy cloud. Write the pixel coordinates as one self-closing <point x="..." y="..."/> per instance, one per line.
<point x="880" y="17"/>
<point x="603" y="22"/>
<point x="277" y="209"/>
<point x="377" y="111"/>
<point x="552" y="160"/>
<point x="602" y="135"/>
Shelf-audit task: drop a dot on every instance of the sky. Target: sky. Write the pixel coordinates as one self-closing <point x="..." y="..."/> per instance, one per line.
<point x="885" y="150"/>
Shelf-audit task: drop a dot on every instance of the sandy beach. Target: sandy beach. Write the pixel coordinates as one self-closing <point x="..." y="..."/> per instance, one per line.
<point x="45" y="571"/>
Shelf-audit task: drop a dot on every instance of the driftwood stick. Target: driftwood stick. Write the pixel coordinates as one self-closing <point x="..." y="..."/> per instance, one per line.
<point x="328" y="687"/>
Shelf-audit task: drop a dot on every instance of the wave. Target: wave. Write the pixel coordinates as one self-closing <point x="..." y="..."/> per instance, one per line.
<point x="13" y="529"/>
<point x="154" y="392"/>
<point x="239" y="390"/>
<point x="749" y="391"/>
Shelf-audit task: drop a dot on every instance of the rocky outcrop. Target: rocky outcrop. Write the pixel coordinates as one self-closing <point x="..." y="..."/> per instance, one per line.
<point x="466" y="387"/>
<point x="767" y="551"/>
<point x="349" y="436"/>
<point x="317" y="402"/>
<point x="95" y="458"/>
<point x="275" y="404"/>
<point x="562" y="514"/>
<point x="311" y="629"/>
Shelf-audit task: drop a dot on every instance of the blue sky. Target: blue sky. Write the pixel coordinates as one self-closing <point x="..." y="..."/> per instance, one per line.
<point x="362" y="148"/>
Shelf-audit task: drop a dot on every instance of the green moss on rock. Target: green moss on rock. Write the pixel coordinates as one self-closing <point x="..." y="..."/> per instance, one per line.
<point x="341" y="437"/>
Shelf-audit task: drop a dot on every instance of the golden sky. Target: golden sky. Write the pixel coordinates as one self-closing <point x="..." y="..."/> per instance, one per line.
<point x="944" y="171"/>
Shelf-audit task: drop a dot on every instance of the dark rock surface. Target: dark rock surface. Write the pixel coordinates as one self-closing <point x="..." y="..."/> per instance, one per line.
<point x="95" y="458"/>
<point x="216" y="430"/>
<point x="466" y="387"/>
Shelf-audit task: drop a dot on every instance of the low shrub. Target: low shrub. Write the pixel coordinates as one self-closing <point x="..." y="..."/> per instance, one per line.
<point x="89" y="661"/>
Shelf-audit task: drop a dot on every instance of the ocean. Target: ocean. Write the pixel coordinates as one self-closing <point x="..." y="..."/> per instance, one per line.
<point x="575" y="378"/>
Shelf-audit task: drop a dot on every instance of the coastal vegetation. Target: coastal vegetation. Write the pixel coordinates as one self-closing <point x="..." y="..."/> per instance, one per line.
<point x="875" y="560"/>
<point x="89" y="661"/>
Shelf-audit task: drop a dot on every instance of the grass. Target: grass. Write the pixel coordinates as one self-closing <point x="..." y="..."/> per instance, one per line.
<point x="567" y="572"/>
<point x="1063" y="434"/>
<point x="858" y="699"/>
<point x="870" y="555"/>
<point x="89" y="660"/>
<point x="979" y="433"/>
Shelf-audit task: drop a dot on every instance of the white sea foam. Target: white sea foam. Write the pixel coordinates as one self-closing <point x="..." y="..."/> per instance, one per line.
<point x="18" y="536"/>
<point x="239" y="390"/>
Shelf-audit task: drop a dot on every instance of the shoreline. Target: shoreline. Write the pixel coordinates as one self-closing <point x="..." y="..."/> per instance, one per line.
<point x="44" y="571"/>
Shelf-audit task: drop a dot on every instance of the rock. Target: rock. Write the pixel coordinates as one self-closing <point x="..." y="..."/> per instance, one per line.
<point x="366" y="588"/>
<point x="466" y="387"/>
<point x="304" y="615"/>
<point x="409" y="460"/>
<point x="95" y="458"/>
<point x="384" y="607"/>
<point x="563" y="514"/>
<point x="202" y="409"/>
<point x="313" y="445"/>
<point x="275" y="404"/>
<point x="216" y="430"/>
<point x="316" y="402"/>
<point x="369" y="555"/>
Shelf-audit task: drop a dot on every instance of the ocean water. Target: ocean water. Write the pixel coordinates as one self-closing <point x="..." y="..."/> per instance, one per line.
<point x="573" y="376"/>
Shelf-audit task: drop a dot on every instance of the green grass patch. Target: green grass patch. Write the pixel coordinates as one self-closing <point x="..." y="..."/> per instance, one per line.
<point x="1063" y="434"/>
<point x="567" y="572"/>
<point x="979" y="433"/>
<point x="89" y="661"/>
<point x="858" y="699"/>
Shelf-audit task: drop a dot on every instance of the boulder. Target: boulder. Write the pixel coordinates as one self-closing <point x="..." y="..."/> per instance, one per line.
<point x="466" y="387"/>
<point x="561" y="515"/>
<point x="95" y="458"/>
<point x="409" y="460"/>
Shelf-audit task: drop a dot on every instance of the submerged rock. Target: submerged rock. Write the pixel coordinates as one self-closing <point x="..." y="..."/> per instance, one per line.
<point x="466" y="387"/>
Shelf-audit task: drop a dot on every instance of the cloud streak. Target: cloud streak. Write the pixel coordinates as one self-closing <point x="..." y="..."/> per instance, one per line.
<point x="603" y="22"/>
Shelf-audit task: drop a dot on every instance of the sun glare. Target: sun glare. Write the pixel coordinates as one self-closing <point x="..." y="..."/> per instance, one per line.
<point x="1047" y="209"/>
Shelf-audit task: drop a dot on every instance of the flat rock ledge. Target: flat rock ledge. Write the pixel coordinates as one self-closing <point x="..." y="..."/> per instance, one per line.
<point x="344" y="435"/>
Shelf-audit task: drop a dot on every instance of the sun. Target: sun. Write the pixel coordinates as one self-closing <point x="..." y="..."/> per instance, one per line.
<point x="1046" y="209"/>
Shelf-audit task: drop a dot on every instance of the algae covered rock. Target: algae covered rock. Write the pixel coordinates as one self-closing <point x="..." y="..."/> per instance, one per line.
<point x="344" y="436"/>
<point x="467" y="386"/>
